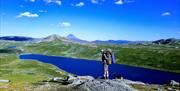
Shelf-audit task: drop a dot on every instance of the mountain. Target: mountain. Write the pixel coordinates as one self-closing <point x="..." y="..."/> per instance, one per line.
<point x="69" y="38"/>
<point x="170" y="41"/>
<point x="16" y="38"/>
<point x="53" y="37"/>
<point x="75" y="39"/>
<point x="112" y="42"/>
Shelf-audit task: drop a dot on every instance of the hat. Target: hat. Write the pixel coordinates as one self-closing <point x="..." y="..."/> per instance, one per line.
<point x="109" y="50"/>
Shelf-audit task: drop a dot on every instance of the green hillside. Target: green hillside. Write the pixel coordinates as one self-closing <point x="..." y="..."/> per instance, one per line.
<point x="27" y="74"/>
<point x="161" y="57"/>
<point x="24" y="74"/>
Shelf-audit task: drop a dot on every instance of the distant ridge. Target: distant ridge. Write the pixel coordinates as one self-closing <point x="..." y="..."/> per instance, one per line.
<point x="54" y="37"/>
<point x="75" y="39"/>
<point x="112" y="42"/>
<point x="167" y="41"/>
<point x="16" y="38"/>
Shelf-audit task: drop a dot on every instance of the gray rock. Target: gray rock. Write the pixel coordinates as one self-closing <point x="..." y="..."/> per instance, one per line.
<point x="81" y="79"/>
<point x="169" y="89"/>
<point x="57" y="79"/>
<point x="4" y="81"/>
<point x="132" y="82"/>
<point x="106" y="85"/>
<point x="90" y="84"/>
<point x="174" y="83"/>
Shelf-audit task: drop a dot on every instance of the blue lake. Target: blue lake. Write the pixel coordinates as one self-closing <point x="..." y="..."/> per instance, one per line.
<point x="95" y="69"/>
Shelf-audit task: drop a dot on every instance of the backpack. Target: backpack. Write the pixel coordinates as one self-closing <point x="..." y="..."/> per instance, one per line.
<point x="109" y="59"/>
<point x="113" y="57"/>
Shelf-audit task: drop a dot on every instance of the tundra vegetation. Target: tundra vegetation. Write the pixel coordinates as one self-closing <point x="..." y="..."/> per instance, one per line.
<point x="24" y="75"/>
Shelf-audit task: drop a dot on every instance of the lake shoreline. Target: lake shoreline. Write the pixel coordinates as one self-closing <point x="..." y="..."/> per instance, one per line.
<point x="74" y="59"/>
<point x="145" y="67"/>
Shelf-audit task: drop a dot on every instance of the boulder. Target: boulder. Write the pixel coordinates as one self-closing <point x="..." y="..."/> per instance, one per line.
<point x="173" y="83"/>
<point x="90" y="84"/>
<point x="4" y="81"/>
<point x="81" y="79"/>
<point x="132" y="82"/>
<point x="105" y="85"/>
<point x="64" y="80"/>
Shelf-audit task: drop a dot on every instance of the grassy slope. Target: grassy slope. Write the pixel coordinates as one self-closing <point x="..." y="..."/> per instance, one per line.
<point x="152" y="56"/>
<point x="64" y="49"/>
<point x="23" y="73"/>
<point x="26" y="74"/>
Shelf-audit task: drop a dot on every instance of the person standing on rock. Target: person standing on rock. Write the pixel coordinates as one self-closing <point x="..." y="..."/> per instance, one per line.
<point x="106" y="60"/>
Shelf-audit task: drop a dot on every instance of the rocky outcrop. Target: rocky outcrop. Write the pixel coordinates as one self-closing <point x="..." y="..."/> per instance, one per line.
<point x="132" y="82"/>
<point x="90" y="84"/>
<point x="170" y="41"/>
<point x="106" y="85"/>
<point x="173" y="83"/>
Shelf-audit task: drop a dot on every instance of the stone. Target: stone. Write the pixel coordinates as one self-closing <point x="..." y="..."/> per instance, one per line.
<point x="173" y="83"/>
<point x="4" y="81"/>
<point x="81" y="79"/>
<point x="133" y="82"/>
<point x="106" y="85"/>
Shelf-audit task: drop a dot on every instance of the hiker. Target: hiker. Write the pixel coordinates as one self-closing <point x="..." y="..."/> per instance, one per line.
<point x="107" y="60"/>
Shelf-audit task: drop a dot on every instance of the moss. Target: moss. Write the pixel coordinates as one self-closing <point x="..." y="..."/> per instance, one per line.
<point x="22" y="73"/>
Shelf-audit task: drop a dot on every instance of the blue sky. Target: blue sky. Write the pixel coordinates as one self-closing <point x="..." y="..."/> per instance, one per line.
<point x="91" y="19"/>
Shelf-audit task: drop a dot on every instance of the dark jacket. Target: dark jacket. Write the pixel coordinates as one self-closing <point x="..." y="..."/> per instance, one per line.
<point x="104" y="57"/>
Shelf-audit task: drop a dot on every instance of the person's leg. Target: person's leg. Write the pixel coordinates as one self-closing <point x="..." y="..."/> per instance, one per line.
<point x="107" y="72"/>
<point x="104" y="69"/>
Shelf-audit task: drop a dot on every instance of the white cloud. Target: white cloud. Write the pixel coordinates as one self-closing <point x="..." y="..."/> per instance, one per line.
<point x="129" y="1"/>
<point x="80" y="4"/>
<point x="64" y="24"/>
<point x="119" y="2"/>
<point x="166" y="14"/>
<point x="32" y="0"/>
<point x="27" y="14"/>
<point x="97" y="1"/>
<point x="178" y="32"/>
<point x="58" y="2"/>
<point x="94" y="1"/>
<point x="43" y="11"/>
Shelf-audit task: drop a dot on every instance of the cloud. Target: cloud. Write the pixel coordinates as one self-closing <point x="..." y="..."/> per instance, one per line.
<point x="129" y="1"/>
<point x="43" y="11"/>
<point x="27" y="14"/>
<point x="32" y="0"/>
<point x="58" y="2"/>
<point x="80" y="4"/>
<point x="119" y="2"/>
<point x="178" y="32"/>
<point x="166" y="14"/>
<point x="64" y="24"/>
<point x="95" y="1"/>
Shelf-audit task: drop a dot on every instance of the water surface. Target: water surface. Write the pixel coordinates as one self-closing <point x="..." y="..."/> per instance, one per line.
<point x="95" y="68"/>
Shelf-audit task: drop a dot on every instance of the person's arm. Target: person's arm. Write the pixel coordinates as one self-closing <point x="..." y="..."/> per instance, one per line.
<point x="105" y="56"/>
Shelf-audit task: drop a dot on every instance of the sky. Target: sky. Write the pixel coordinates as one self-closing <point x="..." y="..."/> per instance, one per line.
<point x="91" y="19"/>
